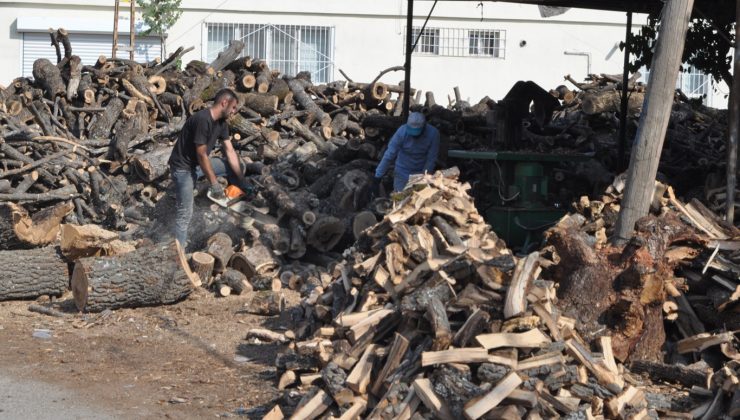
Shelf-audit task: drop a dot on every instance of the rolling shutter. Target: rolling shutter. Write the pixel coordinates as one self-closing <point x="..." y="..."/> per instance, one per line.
<point x="88" y="46"/>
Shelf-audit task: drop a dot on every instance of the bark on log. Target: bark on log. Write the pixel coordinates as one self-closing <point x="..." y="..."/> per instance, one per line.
<point x="221" y="248"/>
<point x="298" y="87"/>
<point x="152" y="165"/>
<point x="202" y="265"/>
<point x="102" y="126"/>
<point x="266" y="105"/>
<point x="236" y="281"/>
<point x="266" y="302"/>
<point x="325" y="233"/>
<point x="255" y="261"/>
<point x="228" y="55"/>
<point x="75" y="74"/>
<point x="151" y="275"/>
<point x="91" y="240"/>
<point x="49" y="77"/>
<point x="610" y="101"/>
<point x="307" y="134"/>
<point x="133" y="124"/>
<point x="19" y="230"/>
<point x="28" y="274"/>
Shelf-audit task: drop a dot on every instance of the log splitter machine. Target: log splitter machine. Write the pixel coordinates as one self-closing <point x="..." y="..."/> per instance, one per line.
<point x="514" y="191"/>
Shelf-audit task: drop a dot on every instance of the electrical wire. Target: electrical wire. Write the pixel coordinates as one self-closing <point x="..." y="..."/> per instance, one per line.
<point x="421" y="32"/>
<point x="501" y="184"/>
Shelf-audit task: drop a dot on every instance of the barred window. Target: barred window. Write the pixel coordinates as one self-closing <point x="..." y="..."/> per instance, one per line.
<point x="459" y="42"/>
<point x="287" y="48"/>
<point x="485" y="43"/>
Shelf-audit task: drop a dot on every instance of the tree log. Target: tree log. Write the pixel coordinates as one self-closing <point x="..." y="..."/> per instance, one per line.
<point x="18" y="230"/>
<point x="151" y="275"/>
<point x="227" y="56"/>
<point x="101" y="128"/>
<point x="202" y="264"/>
<point x="325" y="233"/>
<point x="610" y="101"/>
<point x="221" y="248"/>
<point x="298" y="87"/>
<point x="152" y="165"/>
<point x="75" y="75"/>
<point x="49" y="77"/>
<point x="91" y="240"/>
<point x="28" y="274"/>
<point x="236" y="281"/>
<point x="266" y="302"/>
<point x="255" y="261"/>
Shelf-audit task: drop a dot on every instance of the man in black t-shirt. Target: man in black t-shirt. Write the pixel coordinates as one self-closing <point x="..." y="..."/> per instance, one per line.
<point x="189" y="159"/>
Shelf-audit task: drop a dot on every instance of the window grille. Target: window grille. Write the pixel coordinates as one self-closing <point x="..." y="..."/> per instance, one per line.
<point x="693" y="83"/>
<point x="459" y="42"/>
<point x="287" y="48"/>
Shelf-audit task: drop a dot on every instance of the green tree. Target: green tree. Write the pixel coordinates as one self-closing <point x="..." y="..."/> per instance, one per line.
<point x="160" y="15"/>
<point x="708" y="41"/>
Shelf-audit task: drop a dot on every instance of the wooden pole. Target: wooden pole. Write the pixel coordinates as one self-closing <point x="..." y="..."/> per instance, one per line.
<point x="115" y="28"/>
<point x="654" y="119"/>
<point x="132" y="30"/>
<point x="625" y="92"/>
<point x="407" y="64"/>
<point x="734" y="128"/>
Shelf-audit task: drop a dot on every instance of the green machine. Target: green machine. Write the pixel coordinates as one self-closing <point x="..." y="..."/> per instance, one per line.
<point x="513" y="192"/>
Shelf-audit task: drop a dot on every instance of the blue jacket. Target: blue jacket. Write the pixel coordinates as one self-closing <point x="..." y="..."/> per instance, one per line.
<point x="412" y="155"/>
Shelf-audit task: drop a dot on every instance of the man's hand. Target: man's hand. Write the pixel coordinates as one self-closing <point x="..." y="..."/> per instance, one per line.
<point x="217" y="191"/>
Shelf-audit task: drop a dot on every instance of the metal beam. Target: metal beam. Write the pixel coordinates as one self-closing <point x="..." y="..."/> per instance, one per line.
<point x="621" y="162"/>
<point x="407" y="64"/>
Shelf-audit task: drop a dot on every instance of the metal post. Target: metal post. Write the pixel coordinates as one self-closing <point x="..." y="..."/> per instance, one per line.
<point x="734" y="129"/>
<point x="622" y="162"/>
<point x="132" y="34"/>
<point x="407" y="64"/>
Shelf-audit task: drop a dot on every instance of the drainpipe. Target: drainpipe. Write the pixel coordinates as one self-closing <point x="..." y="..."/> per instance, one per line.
<point x="582" y="54"/>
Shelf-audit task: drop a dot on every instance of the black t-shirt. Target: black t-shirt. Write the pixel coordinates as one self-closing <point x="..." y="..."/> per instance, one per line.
<point x="200" y="128"/>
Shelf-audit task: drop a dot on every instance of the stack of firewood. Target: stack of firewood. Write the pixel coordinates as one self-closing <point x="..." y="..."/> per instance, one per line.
<point x="430" y="314"/>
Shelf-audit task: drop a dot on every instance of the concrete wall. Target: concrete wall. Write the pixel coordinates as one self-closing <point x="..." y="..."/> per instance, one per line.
<point x="369" y="37"/>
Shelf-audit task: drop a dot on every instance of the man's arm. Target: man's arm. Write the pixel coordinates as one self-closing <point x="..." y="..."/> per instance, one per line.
<point x="201" y="151"/>
<point x="390" y="154"/>
<point x="233" y="160"/>
<point x="432" y="152"/>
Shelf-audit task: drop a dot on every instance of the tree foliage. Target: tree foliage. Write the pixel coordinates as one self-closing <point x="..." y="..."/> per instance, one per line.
<point x="708" y="41"/>
<point x="160" y="15"/>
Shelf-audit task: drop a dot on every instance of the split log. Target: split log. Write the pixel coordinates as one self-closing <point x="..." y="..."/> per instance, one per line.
<point x="152" y="165"/>
<point x="19" y="230"/>
<point x="91" y="240"/>
<point x="151" y="275"/>
<point x="221" y="248"/>
<point x="335" y="378"/>
<point x="28" y="274"/>
<point x="437" y="316"/>
<point x="477" y="408"/>
<point x="49" y="78"/>
<point x="202" y="265"/>
<point x="516" y="295"/>
<point x="670" y="373"/>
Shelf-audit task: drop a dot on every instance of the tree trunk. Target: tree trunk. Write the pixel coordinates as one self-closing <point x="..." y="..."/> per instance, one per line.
<point x="610" y="101"/>
<point x="265" y="104"/>
<point x="28" y="274"/>
<point x="221" y="248"/>
<point x="101" y="128"/>
<point x="654" y="119"/>
<point x="325" y="233"/>
<point x="75" y="74"/>
<point x="228" y="55"/>
<point x="202" y="265"/>
<point x="152" y="165"/>
<point x="255" y="261"/>
<point x="298" y="87"/>
<point x="18" y="230"/>
<point x="152" y="275"/>
<point x="49" y="77"/>
<point x="250" y="129"/>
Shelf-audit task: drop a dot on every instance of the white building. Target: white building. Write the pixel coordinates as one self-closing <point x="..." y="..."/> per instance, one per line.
<point x="482" y="48"/>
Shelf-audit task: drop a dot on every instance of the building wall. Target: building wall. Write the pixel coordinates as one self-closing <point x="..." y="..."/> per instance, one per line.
<point x="369" y="37"/>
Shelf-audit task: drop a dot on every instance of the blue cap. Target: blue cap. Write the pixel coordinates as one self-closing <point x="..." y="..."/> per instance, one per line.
<point x="415" y="124"/>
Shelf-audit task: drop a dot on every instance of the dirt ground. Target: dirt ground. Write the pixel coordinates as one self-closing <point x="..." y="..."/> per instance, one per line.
<point x="188" y="360"/>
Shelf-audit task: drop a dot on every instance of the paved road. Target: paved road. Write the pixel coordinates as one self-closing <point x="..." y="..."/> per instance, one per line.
<point x="27" y="399"/>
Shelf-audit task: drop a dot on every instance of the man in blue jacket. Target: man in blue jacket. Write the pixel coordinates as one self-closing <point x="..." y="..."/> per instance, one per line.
<point x="413" y="148"/>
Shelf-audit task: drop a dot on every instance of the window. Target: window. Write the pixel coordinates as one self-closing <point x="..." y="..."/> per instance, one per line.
<point x="692" y="82"/>
<point x="287" y="48"/>
<point x="459" y="42"/>
<point x="428" y="42"/>
<point x="484" y="43"/>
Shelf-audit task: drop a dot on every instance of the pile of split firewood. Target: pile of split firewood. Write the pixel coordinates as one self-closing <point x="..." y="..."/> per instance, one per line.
<point x="430" y="314"/>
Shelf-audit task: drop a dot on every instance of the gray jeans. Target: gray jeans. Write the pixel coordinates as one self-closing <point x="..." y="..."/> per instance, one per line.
<point x="184" y="180"/>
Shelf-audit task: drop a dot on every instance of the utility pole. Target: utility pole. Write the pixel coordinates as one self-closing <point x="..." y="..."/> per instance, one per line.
<point x="654" y="119"/>
<point x="407" y="64"/>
